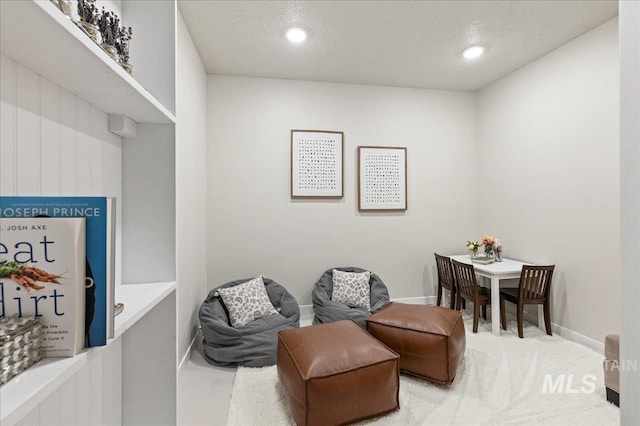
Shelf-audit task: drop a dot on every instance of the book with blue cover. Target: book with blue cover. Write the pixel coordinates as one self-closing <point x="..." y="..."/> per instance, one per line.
<point x="99" y="213"/>
<point x="42" y="275"/>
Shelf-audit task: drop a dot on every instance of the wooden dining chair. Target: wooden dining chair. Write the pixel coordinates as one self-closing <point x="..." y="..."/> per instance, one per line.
<point x="533" y="289"/>
<point x="468" y="289"/>
<point x="445" y="279"/>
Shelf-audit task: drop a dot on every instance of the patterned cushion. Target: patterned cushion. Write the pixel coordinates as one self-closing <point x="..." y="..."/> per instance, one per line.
<point x="247" y="302"/>
<point x="352" y="289"/>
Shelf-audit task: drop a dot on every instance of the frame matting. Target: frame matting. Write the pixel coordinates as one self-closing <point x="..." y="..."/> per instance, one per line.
<point x="316" y="164"/>
<point x="382" y="178"/>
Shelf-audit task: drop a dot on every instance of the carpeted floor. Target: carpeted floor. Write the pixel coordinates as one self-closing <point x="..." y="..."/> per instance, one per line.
<point x="500" y="382"/>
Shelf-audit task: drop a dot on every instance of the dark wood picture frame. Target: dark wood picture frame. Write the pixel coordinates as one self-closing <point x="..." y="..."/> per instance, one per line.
<point x="398" y="192"/>
<point x="328" y="159"/>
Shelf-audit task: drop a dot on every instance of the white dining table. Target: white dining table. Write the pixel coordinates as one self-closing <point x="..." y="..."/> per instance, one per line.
<point x="497" y="271"/>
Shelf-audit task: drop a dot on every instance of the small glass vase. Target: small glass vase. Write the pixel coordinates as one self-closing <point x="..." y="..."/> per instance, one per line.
<point x="91" y="30"/>
<point x="65" y="6"/>
<point x="111" y="51"/>
<point x="127" y="67"/>
<point x="489" y="253"/>
<point x="473" y="254"/>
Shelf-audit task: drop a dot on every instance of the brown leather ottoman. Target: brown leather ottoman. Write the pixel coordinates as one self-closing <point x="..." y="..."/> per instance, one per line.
<point x="429" y="339"/>
<point x="336" y="373"/>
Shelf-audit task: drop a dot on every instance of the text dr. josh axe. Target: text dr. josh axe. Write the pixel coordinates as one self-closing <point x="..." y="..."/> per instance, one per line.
<point x="572" y="384"/>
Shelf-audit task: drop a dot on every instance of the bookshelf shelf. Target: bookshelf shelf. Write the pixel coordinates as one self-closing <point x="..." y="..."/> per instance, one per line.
<point x="138" y="300"/>
<point x="44" y="55"/>
<point x="39" y="36"/>
<point x="24" y="392"/>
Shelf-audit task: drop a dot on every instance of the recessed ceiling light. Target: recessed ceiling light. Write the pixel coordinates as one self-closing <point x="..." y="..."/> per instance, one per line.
<point x="296" y="35"/>
<point x="473" y="52"/>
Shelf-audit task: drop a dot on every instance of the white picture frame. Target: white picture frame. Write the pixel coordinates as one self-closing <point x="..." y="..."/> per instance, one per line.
<point x="316" y="164"/>
<point x="382" y="178"/>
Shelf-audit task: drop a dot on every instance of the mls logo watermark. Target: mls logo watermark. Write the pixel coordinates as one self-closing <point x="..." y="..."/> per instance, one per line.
<point x="572" y="384"/>
<point x="622" y="365"/>
<point x="568" y="383"/>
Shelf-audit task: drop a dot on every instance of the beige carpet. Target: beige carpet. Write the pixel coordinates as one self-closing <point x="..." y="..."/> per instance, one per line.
<point x="500" y="382"/>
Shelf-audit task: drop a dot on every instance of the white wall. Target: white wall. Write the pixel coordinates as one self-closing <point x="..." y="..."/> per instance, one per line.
<point x="549" y="170"/>
<point x="630" y="206"/>
<point x="191" y="186"/>
<point x="149" y="197"/>
<point x="255" y="227"/>
<point x="54" y="143"/>
<point x="153" y="46"/>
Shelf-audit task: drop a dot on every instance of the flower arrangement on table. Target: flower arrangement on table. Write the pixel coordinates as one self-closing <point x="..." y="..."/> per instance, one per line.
<point x="473" y="247"/>
<point x="490" y="244"/>
<point x="498" y="250"/>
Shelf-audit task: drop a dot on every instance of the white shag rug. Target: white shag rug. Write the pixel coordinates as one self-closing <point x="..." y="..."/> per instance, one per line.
<point x="499" y="382"/>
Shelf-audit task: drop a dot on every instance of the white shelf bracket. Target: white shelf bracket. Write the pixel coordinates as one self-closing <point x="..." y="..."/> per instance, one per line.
<point x="122" y="126"/>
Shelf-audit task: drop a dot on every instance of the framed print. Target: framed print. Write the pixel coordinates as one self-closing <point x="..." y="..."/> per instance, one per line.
<point x="316" y="164"/>
<point x="382" y="178"/>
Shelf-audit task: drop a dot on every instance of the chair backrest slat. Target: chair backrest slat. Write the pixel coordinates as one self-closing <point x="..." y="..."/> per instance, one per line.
<point x="535" y="282"/>
<point x="445" y="272"/>
<point x="465" y="277"/>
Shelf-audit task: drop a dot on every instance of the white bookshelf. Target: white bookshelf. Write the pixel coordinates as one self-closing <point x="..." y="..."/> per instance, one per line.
<point x="39" y="36"/>
<point x="57" y="86"/>
<point x="138" y="300"/>
<point x="26" y="391"/>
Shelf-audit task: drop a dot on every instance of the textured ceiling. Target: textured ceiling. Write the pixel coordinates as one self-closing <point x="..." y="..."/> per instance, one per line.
<point x="391" y="43"/>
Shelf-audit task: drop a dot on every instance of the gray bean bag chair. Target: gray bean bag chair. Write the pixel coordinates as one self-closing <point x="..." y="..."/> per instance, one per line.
<point x="253" y="345"/>
<point x="327" y="310"/>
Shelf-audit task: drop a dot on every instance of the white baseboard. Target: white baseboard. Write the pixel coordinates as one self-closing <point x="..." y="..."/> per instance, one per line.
<point x="183" y="362"/>
<point x="306" y="311"/>
<point x="578" y="338"/>
<point x="422" y="300"/>
<point x="531" y="316"/>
